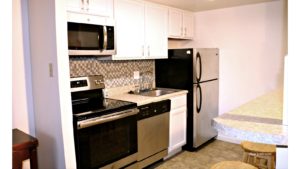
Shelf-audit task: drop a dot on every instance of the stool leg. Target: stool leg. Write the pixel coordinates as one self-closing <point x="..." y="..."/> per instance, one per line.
<point x="273" y="163"/>
<point x="269" y="162"/>
<point x="17" y="160"/>
<point x="33" y="159"/>
<point x="245" y="157"/>
<point x="255" y="160"/>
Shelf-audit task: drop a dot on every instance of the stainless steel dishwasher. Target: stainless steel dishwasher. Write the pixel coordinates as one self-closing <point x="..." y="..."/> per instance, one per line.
<point x="153" y="132"/>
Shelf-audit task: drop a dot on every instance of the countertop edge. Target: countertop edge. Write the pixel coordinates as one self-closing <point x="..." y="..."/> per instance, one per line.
<point x="142" y="100"/>
<point x="240" y="134"/>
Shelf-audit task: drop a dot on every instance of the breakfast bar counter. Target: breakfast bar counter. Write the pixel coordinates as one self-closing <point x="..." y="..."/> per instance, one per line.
<point x="259" y="120"/>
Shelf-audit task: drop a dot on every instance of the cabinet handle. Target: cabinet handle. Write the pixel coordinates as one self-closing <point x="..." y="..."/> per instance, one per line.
<point x="185" y="31"/>
<point x="182" y="31"/>
<point x="82" y="4"/>
<point x="87" y="4"/>
<point x="148" y="50"/>
<point x="143" y="53"/>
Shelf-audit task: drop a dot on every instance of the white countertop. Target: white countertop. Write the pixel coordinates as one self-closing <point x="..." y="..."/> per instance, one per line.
<point x="122" y="94"/>
<point x="259" y="120"/>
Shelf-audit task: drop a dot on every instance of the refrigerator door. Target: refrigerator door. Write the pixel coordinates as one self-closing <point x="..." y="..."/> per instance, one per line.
<point x="205" y="64"/>
<point x="206" y="103"/>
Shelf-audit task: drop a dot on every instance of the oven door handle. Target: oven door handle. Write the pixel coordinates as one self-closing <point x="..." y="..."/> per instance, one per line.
<point x="105" y="119"/>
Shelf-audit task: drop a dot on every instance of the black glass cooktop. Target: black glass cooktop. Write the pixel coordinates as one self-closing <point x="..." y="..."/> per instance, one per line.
<point x="84" y="109"/>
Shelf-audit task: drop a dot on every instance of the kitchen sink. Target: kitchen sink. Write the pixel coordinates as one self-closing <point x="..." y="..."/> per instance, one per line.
<point x="154" y="92"/>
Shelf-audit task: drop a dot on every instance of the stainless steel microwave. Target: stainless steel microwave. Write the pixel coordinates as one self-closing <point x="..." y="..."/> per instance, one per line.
<point x="90" y="38"/>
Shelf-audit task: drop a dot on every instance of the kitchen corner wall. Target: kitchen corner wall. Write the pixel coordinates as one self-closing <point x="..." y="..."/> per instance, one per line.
<point x="116" y="73"/>
<point x="22" y="99"/>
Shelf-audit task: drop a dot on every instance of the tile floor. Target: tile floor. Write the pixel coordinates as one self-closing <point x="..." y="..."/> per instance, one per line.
<point x="203" y="158"/>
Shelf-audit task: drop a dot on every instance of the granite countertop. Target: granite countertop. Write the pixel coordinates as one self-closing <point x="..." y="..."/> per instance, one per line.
<point x="121" y="93"/>
<point x="259" y="120"/>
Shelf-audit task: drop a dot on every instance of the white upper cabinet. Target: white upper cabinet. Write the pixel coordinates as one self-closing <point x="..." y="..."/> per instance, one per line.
<point x="156" y="31"/>
<point x="94" y="7"/>
<point x="141" y="30"/>
<point x="129" y="29"/>
<point x="188" y="25"/>
<point x="175" y="23"/>
<point x="181" y="24"/>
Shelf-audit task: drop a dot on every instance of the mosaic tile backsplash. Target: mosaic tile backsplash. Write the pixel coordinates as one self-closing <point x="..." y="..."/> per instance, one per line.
<point x="116" y="73"/>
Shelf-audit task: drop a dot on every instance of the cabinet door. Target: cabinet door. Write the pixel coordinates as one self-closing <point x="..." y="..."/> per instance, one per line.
<point x="95" y="7"/>
<point x="75" y="5"/>
<point x="156" y="31"/>
<point x="175" y="23"/>
<point x="129" y="27"/>
<point x="177" y="128"/>
<point x="188" y="25"/>
<point x="100" y="7"/>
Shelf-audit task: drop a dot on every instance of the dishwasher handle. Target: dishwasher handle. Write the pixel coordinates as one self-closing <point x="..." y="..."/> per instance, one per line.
<point x="106" y="118"/>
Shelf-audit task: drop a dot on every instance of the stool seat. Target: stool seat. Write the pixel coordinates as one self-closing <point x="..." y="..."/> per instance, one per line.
<point x="24" y="147"/>
<point x="260" y="155"/>
<point x="258" y="147"/>
<point x="232" y="165"/>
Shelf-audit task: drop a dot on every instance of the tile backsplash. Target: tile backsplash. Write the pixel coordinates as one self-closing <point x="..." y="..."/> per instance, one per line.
<point x="116" y="73"/>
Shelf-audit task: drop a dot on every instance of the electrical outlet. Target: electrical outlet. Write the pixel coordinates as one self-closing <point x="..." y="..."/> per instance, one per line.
<point x="136" y="75"/>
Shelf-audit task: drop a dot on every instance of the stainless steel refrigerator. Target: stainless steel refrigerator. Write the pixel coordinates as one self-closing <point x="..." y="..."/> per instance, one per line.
<point x="195" y="70"/>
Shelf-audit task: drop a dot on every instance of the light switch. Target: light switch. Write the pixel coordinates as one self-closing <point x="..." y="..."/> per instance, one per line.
<point x="50" y="70"/>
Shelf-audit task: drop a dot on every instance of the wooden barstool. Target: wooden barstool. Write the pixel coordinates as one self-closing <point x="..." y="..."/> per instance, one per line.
<point x="232" y="165"/>
<point x="260" y="155"/>
<point x="24" y="147"/>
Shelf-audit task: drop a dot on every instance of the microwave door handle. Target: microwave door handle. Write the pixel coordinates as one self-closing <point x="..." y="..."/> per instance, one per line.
<point x="105" y="37"/>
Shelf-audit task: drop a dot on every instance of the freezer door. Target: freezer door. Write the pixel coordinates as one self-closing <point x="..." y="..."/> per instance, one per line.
<point x="206" y="64"/>
<point x="206" y="107"/>
<point x="176" y="71"/>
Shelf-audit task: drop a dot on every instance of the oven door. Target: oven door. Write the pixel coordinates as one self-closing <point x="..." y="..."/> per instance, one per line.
<point x="102" y="141"/>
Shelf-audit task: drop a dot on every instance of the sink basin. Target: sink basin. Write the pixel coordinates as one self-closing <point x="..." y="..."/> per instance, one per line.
<point x="155" y="92"/>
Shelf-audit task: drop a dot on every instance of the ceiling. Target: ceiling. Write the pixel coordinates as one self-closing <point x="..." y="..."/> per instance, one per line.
<point x="201" y="5"/>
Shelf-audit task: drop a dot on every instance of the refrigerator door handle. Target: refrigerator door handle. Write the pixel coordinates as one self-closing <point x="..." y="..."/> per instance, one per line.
<point x="198" y="67"/>
<point x="198" y="98"/>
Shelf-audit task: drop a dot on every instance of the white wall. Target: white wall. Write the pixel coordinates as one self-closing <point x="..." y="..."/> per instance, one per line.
<point x="250" y="39"/>
<point x="23" y="115"/>
<point x="50" y="118"/>
<point x="6" y="85"/>
<point x="22" y="103"/>
<point x="51" y="83"/>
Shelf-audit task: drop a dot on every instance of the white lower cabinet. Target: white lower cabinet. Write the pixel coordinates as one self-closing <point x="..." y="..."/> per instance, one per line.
<point x="178" y="117"/>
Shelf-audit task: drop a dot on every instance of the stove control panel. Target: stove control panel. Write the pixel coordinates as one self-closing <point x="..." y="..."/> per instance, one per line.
<point x="87" y="83"/>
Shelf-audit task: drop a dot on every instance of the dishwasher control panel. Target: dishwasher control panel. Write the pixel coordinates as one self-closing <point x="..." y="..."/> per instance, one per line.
<point x="152" y="109"/>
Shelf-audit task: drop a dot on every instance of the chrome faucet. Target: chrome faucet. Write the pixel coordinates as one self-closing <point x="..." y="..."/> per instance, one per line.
<point x="146" y="80"/>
